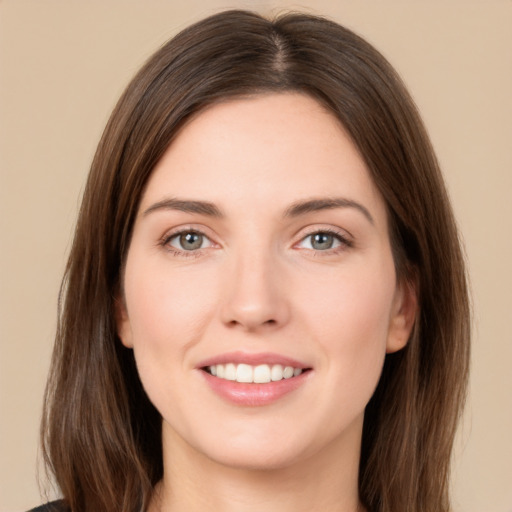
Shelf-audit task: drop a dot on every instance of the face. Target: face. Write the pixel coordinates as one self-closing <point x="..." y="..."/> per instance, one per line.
<point x="260" y="294"/>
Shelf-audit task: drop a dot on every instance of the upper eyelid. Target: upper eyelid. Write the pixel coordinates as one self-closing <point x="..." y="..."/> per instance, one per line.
<point x="188" y="228"/>
<point x="315" y="228"/>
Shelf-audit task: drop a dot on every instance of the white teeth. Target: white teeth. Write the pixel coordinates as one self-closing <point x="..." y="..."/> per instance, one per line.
<point x="260" y="374"/>
<point x="230" y="372"/>
<point x="288" y="372"/>
<point x="244" y="373"/>
<point x="276" y="372"/>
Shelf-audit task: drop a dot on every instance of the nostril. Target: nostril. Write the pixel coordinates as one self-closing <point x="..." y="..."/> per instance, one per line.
<point x="235" y="323"/>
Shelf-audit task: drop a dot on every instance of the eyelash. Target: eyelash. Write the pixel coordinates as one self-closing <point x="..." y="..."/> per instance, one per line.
<point x="345" y="243"/>
<point x="165" y="243"/>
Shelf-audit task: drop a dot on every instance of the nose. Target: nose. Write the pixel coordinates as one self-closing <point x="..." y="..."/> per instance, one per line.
<point x="255" y="295"/>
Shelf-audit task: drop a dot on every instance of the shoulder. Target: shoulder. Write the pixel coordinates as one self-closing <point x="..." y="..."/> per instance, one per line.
<point x="54" y="506"/>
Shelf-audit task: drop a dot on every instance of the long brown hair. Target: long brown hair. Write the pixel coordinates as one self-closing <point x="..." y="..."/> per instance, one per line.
<point x="101" y="435"/>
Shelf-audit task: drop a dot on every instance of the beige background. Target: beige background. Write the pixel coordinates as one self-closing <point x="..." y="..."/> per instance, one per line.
<point x="63" y="65"/>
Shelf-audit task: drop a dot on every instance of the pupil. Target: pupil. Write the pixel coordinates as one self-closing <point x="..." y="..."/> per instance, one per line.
<point x="190" y="241"/>
<point x="322" y="241"/>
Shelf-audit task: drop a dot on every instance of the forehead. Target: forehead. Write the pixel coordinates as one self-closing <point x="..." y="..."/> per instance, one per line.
<point x="272" y="148"/>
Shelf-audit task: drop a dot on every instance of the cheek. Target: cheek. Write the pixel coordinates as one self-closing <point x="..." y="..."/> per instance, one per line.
<point x="350" y="316"/>
<point x="168" y="312"/>
<point x="162" y="301"/>
<point x="353" y="300"/>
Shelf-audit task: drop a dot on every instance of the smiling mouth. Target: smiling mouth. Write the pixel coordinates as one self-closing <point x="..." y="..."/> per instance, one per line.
<point x="259" y="374"/>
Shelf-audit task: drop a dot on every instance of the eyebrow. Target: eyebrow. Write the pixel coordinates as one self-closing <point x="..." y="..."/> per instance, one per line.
<point x="188" y="206"/>
<point x="315" y="205"/>
<point x="295" y="210"/>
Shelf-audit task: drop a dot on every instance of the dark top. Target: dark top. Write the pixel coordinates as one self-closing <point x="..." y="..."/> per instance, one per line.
<point x="54" y="506"/>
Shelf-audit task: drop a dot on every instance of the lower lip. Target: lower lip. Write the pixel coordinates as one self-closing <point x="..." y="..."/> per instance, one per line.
<point x="254" y="395"/>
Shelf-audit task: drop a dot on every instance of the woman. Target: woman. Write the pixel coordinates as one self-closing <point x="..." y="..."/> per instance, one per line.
<point x="265" y="305"/>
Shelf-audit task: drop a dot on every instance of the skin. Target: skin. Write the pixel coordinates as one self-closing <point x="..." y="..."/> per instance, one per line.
<point x="259" y="284"/>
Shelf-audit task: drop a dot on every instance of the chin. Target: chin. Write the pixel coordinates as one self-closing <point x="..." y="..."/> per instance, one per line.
<point x="257" y="458"/>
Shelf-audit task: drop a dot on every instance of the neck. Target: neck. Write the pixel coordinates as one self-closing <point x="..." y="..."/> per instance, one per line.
<point x="326" y="481"/>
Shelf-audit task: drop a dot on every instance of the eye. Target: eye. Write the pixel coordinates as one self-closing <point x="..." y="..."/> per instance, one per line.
<point x="188" y="241"/>
<point x="323" y="241"/>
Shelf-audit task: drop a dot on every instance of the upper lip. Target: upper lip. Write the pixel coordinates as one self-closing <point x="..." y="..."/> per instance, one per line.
<point x="239" y="357"/>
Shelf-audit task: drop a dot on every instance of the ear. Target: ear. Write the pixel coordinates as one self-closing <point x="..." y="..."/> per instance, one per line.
<point x="123" y="326"/>
<point x="403" y="315"/>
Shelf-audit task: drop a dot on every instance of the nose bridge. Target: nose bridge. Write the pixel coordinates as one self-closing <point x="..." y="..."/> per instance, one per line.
<point x="254" y="295"/>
